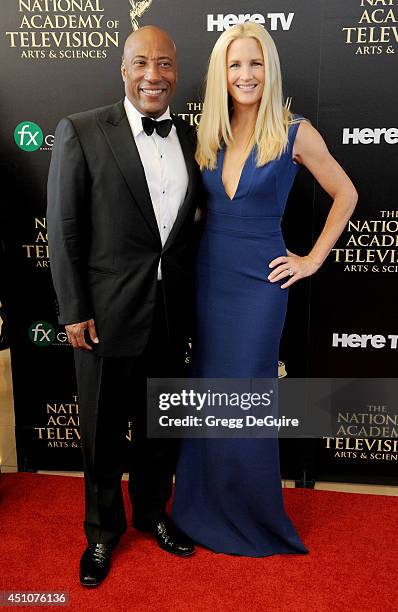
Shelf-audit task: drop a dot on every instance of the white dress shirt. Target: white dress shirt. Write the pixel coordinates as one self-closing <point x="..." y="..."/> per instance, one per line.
<point x="165" y="170"/>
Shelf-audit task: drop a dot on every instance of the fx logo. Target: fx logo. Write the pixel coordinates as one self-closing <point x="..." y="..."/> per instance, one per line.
<point x="42" y="333"/>
<point x="28" y="136"/>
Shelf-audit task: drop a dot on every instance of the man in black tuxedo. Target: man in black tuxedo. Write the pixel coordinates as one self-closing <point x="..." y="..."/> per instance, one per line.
<point x="122" y="194"/>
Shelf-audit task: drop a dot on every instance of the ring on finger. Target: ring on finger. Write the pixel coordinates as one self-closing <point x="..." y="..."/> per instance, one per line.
<point x="290" y="271"/>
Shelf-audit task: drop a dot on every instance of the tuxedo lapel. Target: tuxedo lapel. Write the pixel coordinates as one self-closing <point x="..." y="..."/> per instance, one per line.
<point x="188" y="151"/>
<point x="121" y="141"/>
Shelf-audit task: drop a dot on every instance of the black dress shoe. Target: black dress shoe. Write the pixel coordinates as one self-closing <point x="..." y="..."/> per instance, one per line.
<point x="169" y="537"/>
<point x="95" y="564"/>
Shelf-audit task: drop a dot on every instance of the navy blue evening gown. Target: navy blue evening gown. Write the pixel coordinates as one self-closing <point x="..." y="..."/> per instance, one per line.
<point x="228" y="494"/>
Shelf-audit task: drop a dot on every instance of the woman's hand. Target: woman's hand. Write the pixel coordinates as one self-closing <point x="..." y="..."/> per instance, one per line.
<point x="292" y="267"/>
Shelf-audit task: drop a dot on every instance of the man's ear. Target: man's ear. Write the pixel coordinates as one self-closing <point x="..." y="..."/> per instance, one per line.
<point x="123" y="69"/>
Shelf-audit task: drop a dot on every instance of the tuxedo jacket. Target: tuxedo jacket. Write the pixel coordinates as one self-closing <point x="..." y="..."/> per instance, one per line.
<point x="104" y="241"/>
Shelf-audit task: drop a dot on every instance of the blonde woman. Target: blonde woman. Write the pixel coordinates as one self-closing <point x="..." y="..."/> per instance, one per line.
<point x="228" y="491"/>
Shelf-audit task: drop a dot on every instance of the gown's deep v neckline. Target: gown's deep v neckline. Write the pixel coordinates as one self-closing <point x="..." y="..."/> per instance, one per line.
<point x="221" y="165"/>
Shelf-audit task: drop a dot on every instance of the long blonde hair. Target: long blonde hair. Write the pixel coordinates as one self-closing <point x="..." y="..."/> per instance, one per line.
<point x="273" y="118"/>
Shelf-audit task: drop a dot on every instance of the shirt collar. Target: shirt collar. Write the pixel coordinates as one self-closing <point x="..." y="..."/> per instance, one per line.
<point x="134" y="117"/>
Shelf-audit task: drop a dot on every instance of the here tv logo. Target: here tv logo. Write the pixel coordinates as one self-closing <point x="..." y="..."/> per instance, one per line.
<point x="367" y="136"/>
<point x="273" y="21"/>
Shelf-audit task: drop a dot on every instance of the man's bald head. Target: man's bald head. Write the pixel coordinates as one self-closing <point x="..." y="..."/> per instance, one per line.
<point x="145" y="32"/>
<point x="149" y="70"/>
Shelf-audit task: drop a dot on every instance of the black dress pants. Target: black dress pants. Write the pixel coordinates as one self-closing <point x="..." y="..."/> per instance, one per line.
<point x="110" y="388"/>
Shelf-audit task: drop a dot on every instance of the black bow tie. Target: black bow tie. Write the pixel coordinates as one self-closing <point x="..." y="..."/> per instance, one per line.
<point x="162" y="127"/>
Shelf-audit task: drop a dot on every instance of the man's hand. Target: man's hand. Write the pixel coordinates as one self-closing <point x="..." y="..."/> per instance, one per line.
<point x="75" y="333"/>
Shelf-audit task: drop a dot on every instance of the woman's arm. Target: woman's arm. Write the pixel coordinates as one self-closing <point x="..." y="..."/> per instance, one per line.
<point x="311" y="151"/>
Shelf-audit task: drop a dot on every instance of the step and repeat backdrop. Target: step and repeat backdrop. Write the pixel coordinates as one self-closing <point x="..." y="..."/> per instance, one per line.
<point x="339" y="63"/>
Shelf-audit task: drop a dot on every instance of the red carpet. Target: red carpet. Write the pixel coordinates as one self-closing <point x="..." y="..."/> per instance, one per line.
<point x="352" y="565"/>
